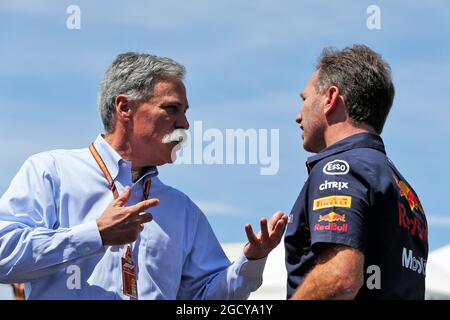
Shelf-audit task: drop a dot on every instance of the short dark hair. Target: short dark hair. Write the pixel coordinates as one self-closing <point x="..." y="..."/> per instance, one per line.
<point x="364" y="80"/>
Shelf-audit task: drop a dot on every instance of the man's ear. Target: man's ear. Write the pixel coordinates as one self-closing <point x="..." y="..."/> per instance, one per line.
<point x="332" y="97"/>
<point x="123" y="107"/>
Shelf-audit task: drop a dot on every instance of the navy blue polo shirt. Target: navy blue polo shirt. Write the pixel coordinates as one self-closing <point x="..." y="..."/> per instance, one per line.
<point x="354" y="196"/>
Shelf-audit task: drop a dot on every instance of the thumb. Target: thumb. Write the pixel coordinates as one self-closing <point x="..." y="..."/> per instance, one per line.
<point x="123" y="198"/>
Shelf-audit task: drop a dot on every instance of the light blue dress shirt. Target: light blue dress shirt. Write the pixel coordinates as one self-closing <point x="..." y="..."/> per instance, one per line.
<point x="49" y="237"/>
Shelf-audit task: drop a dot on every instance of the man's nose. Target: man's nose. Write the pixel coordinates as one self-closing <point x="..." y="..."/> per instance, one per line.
<point x="298" y="118"/>
<point x="183" y="123"/>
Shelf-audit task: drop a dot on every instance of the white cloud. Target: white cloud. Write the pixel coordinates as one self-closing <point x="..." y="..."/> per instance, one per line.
<point x="28" y="6"/>
<point x="223" y="29"/>
<point x="436" y="220"/>
<point x="217" y="208"/>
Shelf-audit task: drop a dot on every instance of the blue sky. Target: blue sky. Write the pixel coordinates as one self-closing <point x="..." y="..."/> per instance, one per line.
<point x="247" y="61"/>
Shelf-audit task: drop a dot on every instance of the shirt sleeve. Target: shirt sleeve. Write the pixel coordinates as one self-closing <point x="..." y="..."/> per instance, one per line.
<point x="338" y="204"/>
<point x="209" y="275"/>
<point x="31" y="243"/>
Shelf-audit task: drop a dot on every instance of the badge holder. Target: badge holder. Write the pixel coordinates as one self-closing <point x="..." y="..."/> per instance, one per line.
<point x="129" y="274"/>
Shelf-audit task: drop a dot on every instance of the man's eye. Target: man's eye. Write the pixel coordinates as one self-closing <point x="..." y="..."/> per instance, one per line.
<point x="171" y="108"/>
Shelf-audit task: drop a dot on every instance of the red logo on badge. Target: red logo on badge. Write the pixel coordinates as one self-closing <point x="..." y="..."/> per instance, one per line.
<point x="129" y="274"/>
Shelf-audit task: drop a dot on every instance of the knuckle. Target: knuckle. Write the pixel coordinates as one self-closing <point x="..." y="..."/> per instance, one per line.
<point x="127" y="211"/>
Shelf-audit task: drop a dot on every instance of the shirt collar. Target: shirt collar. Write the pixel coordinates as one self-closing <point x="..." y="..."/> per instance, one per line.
<point x="359" y="140"/>
<point x="114" y="161"/>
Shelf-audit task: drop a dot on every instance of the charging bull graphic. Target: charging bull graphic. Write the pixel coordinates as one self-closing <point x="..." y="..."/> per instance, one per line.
<point x="405" y="191"/>
<point x="332" y="217"/>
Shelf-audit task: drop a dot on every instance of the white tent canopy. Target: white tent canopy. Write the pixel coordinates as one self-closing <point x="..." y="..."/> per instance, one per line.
<point x="438" y="274"/>
<point x="274" y="277"/>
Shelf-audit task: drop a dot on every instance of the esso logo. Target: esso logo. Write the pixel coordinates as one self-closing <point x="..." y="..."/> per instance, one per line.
<point x="336" y="167"/>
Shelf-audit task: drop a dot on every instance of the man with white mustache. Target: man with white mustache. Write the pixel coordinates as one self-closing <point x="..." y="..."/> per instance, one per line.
<point x="179" y="136"/>
<point x="74" y="224"/>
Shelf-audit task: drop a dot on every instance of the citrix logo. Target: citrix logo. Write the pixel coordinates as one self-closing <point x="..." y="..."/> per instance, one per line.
<point x="333" y="185"/>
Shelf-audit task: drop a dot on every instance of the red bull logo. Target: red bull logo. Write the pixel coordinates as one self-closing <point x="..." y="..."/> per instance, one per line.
<point x="332" y="217"/>
<point x="331" y="226"/>
<point x="406" y="192"/>
<point x="413" y="224"/>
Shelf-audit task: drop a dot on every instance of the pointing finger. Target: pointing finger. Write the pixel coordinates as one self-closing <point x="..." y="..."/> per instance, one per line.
<point x="143" y="205"/>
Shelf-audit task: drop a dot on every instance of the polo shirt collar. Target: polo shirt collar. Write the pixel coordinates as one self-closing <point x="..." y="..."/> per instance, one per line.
<point x="359" y="140"/>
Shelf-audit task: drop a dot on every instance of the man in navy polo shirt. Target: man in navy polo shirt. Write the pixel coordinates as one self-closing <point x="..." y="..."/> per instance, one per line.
<point x="357" y="229"/>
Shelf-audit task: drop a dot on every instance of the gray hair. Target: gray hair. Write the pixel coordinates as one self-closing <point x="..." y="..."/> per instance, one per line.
<point x="363" y="78"/>
<point x="135" y="75"/>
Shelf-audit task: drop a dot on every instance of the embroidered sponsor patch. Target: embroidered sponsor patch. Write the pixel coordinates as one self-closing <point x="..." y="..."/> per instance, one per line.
<point x="336" y="167"/>
<point x="331" y="226"/>
<point x="332" y="201"/>
<point x="407" y="193"/>
<point x="333" y="185"/>
<point x="332" y="217"/>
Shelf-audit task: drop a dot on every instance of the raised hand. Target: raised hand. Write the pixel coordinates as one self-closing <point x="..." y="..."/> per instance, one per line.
<point x="120" y="225"/>
<point x="268" y="238"/>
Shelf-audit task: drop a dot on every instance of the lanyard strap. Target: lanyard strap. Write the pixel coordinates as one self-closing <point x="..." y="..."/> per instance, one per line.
<point x="112" y="185"/>
<point x="128" y="266"/>
<point x="102" y="165"/>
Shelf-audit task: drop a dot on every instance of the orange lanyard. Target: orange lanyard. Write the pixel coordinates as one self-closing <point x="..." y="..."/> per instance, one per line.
<point x="129" y="279"/>
<point x="112" y="185"/>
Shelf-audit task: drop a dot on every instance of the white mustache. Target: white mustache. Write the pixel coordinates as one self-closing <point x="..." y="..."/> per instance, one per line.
<point x="178" y="135"/>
